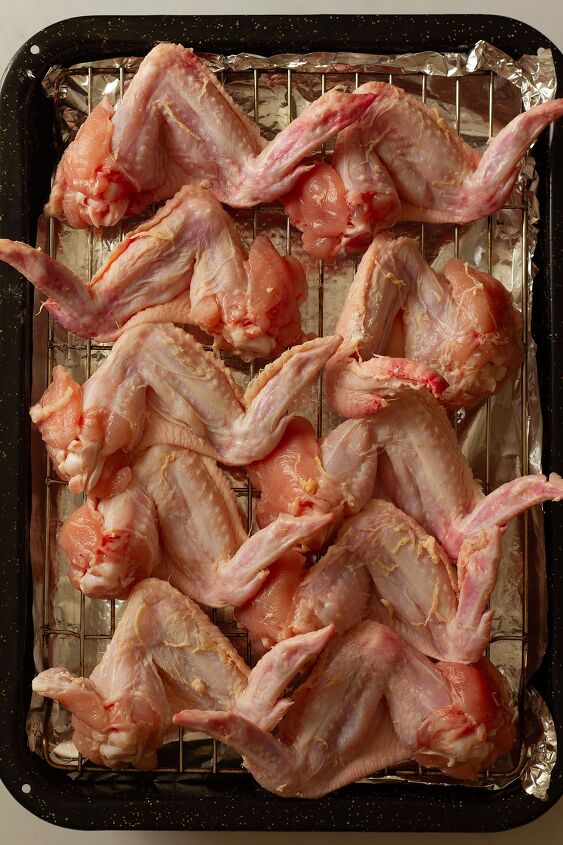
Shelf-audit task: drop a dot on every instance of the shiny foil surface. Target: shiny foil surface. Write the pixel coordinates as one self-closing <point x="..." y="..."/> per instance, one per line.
<point x="476" y="93"/>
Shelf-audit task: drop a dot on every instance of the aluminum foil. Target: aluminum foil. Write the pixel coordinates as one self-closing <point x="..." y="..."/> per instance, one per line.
<point x="541" y="751"/>
<point x="501" y="439"/>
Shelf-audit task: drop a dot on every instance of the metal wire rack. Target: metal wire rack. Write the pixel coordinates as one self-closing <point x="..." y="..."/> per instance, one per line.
<point x="180" y="756"/>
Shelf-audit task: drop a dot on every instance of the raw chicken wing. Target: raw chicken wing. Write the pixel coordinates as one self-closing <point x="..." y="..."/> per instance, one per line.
<point x="438" y="176"/>
<point x="372" y="701"/>
<point x="302" y="475"/>
<point x="423" y="472"/>
<point x="461" y="332"/>
<point x="177" y="519"/>
<point x="158" y="385"/>
<point x="401" y="161"/>
<point x="176" y="125"/>
<point x="166" y="654"/>
<point x="383" y="562"/>
<point x="184" y="265"/>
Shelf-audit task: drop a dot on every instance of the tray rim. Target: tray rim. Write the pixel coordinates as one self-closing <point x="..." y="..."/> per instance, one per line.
<point x="178" y="802"/>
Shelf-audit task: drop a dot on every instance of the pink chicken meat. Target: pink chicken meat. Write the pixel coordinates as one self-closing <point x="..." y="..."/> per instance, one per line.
<point x="401" y="161"/>
<point x="166" y="654"/>
<point x="371" y="701"/>
<point x="302" y="475"/>
<point x="178" y="520"/>
<point x="158" y="385"/>
<point x="461" y="334"/>
<point x="185" y="265"/>
<point x="176" y="125"/>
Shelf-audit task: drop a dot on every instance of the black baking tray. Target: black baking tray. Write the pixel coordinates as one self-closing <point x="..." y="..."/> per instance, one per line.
<point x="27" y="154"/>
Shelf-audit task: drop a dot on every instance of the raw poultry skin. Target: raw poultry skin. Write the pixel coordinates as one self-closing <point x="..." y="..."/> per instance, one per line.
<point x="186" y="264"/>
<point x="383" y="565"/>
<point x="303" y="475"/>
<point x="166" y="654"/>
<point x="177" y="520"/>
<point x="158" y="385"/>
<point x="176" y="125"/>
<point x="401" y="161"/>
<point x="462" y="335"/>
<point x="422" y="471"/>
<point x="372" y="701"/>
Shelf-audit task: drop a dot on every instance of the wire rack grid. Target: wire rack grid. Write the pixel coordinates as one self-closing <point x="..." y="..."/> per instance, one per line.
<point x="180" y="758"/>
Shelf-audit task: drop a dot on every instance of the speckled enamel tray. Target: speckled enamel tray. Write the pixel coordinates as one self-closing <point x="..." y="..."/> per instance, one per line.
<point x="173" y="800"/>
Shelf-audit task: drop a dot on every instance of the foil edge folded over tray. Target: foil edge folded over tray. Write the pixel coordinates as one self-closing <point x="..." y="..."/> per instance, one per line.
<point x="491" y="437"/>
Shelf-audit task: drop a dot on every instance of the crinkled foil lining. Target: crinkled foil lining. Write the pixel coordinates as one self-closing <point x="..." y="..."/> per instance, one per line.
<point x="541" y="750"/>
<point x="501" y="439"/>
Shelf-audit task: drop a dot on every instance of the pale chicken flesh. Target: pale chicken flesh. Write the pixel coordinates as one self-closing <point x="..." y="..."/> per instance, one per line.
<point x="176" y="125"/>
<point x="371" y="701"/>
<point x="167" y="654"/>
<point x="461" y="333"/>
<point x="186" y="264"/>
<point x="267" y="617"/>
<point x="158" y="385"/>
<point x="178" y="520"/>
<point x="401" y="161"/>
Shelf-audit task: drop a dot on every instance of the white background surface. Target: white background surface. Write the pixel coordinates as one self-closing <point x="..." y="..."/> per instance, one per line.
<point x="19" y="20"/>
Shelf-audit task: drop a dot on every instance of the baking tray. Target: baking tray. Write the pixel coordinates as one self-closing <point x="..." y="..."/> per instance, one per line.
<point x="94" y="799"/>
